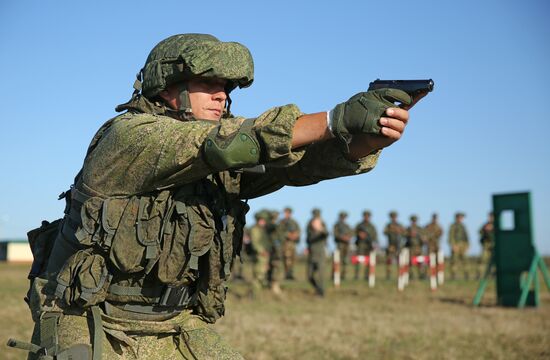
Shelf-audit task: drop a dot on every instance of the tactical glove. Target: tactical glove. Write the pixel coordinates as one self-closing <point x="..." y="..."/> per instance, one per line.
<point x="362" y="112"/>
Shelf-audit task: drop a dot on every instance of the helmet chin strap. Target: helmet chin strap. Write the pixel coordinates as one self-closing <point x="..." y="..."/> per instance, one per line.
<point x="185" y="110"/>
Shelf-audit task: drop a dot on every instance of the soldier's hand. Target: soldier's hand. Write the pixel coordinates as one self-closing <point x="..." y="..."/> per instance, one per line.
<point x="393" y="126"/>
<point x="364" y="113"/>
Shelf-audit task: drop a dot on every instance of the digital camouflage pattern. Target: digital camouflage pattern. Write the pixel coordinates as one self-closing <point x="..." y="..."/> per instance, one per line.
<point x="366" y="239"/>
<point x="394" y="232"/>
<point x="487" y="241"/>
<point x="415" y="240"/>
<point x="433" y="232"/>
<point x="317" y="235"/>
<point x="458" y="240"/>
<point x="343" y="234"/>
<point x="260" y="244"/>
<point x="290" y="231"/>
<point x="179" y="57"/>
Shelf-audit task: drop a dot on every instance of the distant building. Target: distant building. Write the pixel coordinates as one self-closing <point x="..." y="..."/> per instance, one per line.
<point x="15" y="250"/>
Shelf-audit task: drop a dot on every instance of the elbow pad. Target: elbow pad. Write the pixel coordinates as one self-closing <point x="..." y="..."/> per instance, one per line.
<point x="237" y="151"/>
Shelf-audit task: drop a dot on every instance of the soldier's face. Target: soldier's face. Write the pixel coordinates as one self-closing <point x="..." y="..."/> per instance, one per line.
<point x="207" y="96"/>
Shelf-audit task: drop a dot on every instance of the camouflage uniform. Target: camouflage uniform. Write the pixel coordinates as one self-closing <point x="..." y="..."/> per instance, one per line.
<point x="415" y="242"/>
<point x="433" y="233"/>
<point x="155" y="217"/>
<point x="458" y="240"/>
<point x="316" y="242"/>
<point x="342" y="236"/>
<point x="487" y="241"/>
<point x="290" y="231"/>
<point x="275" y="252"/>
<point x="259" y="251"/>
<point x="366" y="240"/>
<point x="394" y="231"/>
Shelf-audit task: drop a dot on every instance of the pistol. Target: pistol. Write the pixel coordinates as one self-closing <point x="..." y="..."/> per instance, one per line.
<point x="416" y="89"/>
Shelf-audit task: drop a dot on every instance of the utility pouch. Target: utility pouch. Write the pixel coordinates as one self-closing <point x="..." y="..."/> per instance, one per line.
<point x="41" y="241"/>
<point x="188" y="238"/>
<point x="83" y="280"/>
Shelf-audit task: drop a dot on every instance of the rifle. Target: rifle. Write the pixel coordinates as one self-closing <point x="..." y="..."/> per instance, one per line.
<point x="416" y="89"/>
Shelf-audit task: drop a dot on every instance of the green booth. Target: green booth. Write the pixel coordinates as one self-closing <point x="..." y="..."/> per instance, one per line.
<point x="515" y="259"/>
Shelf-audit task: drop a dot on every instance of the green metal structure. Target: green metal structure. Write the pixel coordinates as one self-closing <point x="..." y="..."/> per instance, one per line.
<point x="515" y="259"/>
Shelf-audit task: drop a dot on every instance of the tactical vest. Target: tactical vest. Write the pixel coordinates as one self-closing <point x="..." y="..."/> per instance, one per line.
<point x="149" y="256"/>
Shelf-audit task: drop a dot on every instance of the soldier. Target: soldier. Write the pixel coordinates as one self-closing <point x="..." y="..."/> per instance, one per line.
<point x="155" y="217"/>
<point x="342" y="236"/>
<point x="366" y="240"/>
<point x="290" y="231"/>
<point x="458" y="240"/>
<point x="394" y="231"/>
<point x="433" y="233"/>
<point x="259" y="251"/>
<point x="317" y="235"/>
<point x="415" y="242"/>
<point x="275" y="249"/>
<point x="487" y="241"/>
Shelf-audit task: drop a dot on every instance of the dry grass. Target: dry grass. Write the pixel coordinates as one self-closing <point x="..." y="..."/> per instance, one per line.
<point x="353" y="322"/>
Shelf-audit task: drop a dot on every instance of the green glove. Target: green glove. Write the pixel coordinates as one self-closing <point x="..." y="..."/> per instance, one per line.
<point x="362" y="112"/>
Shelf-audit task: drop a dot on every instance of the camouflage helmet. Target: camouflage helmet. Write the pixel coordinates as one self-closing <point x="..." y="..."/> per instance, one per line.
<point x="343" y="214"/>
<point x="316" y="212"/>
<point x="183" y="56"/>
<point x="262" y="214"/>
<point x="366" y="213"/>
<point x="414" y="218"/>
<point x="393" y="213"/>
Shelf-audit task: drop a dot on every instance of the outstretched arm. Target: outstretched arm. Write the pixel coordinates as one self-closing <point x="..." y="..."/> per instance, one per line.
<point x="312" y="128"/>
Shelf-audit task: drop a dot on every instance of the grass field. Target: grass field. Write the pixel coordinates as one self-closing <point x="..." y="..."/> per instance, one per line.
<point x="352" y="322"/>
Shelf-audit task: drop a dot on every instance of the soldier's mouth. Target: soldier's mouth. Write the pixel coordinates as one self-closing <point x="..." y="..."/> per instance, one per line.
<point x="216" y="112"/>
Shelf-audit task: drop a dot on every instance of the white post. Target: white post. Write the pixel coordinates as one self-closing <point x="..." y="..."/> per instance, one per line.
<point x="440" y="267"/>
<point x="336" y="267"/>
<point x="433" y="271"/>
<point x="372" y="268"/>
<point x="406" y="263"/>
<point x="400" y="274"/>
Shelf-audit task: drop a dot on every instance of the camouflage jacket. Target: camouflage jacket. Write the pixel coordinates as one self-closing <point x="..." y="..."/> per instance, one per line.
<point x="458" y="234"/>
<point x="394" y="232"/>
<point x="288" y="226"/>
<point x="433" y="233"/>
<point x="366" y="233"/>
<point x="148" y="217"/>
<point x="342" y="232"/>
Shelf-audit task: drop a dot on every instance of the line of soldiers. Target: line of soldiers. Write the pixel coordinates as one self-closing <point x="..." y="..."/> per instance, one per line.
<point x="419" y="240"/>
<point x="271" y="242"/>
<point x="267" y="244"/>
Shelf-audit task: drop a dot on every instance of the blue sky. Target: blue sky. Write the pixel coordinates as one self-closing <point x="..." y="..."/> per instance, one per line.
<point x="67" y="64"/>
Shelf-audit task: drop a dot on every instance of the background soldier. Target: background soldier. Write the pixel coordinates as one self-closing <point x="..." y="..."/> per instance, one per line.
<point x="259" y="251"/>
<point x="275" y="249"/>
<point x="433" y="233"/>
<point x="317" y="235"/>
<point x="290" y="231"/>
<point x="394" y="231"/>
<point x="342" y="237"/>
<point x="366" y="240"/>
<point x="415" y="242"/>
<point x="487" y="241"/>
<point x="458" y="240"/>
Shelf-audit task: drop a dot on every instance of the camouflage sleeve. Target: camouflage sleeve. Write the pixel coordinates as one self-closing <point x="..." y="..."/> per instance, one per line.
<point x="317" y="162"/>
<point x="452" y="234"/>
<point x="144" y="152"/>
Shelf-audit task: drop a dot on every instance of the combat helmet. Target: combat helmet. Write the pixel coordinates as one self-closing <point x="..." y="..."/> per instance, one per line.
<point x="181" y="57"/>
